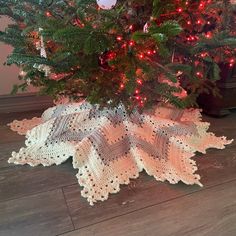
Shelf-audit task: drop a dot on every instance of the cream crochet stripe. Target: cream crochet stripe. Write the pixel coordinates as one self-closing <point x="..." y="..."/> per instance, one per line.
<point x="110" y="147"/>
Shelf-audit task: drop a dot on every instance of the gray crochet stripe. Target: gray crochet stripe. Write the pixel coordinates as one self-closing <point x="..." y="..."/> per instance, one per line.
<point x="63" y="132"/>
<point x="60" y="126"/>
<point x="63" y="108"/>
<point x="58" y="111"/>
<point x="111" y="152"/>
<point x="179" y="130"/>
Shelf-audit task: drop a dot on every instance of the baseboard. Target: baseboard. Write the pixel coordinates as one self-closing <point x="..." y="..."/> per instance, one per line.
<point x="24" y="102"/>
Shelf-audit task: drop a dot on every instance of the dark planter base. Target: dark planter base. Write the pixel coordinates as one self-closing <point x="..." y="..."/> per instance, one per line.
<point x="216" y="106"/>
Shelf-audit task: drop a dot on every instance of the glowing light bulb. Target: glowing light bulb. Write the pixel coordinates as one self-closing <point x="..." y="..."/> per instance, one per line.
<point x="201" y="5"/>
<point x="208" y="35"/>
<point x="131" y="27"/>
<point x="141" y="56"/>
<point x="131" y="43"/>
<point x="199" y="74"/>
<point x="48" y="14"/>
<point x="232" y="61"/>
<point x="180" y="10"/>
<point x="139" y="81"/>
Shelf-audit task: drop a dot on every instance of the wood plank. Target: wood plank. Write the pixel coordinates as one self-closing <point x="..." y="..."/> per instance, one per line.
<point x="25" y="179"/>
<point x="209" y="212"/>
<point x="28" y="180"/>
<point x="217" y="166"/>
<point x="6" y="118"/>
<point x="24" y="102"/>
<point x="142" y="192"/>
<point x="6" y="150"/>
<point x="224" y="125"/>
<point x="8" y="136"/>
<point x="41" y="214"/>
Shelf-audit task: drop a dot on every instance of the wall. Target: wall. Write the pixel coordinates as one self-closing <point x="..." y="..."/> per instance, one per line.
<point x="22" y="102"/>
<point x="8" y="74"/>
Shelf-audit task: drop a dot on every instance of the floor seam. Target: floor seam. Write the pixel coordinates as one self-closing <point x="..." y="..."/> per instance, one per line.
<point x="33" y="194"/>
<point x="68" y="210"/>
<point x="65" y="186"/>
<point x="146" y="207"/>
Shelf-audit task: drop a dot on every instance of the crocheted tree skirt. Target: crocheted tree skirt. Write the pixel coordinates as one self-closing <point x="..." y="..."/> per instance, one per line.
<point x="109" y="147"/>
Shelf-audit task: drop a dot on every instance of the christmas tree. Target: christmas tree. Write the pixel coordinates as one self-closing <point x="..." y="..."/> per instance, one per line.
<point x="139" y="52"/>
<point x="124" y="56"/>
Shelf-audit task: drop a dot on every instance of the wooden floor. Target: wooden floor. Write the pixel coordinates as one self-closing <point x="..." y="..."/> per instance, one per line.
<point x="46" y="201"/>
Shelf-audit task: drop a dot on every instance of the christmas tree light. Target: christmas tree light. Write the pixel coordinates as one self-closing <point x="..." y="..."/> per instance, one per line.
<point x="87" y="51"/>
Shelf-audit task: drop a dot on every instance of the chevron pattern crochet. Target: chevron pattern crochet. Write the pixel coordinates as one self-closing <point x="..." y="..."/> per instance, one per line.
<point x="109" y="147"/>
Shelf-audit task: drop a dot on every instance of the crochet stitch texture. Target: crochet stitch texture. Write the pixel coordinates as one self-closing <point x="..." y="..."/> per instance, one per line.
<point x="109" y="147"/>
